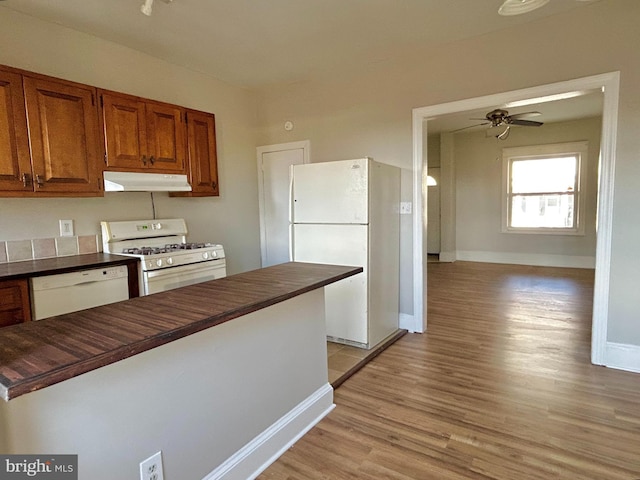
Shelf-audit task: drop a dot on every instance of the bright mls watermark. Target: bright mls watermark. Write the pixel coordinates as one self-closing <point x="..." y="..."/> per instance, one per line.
<point x="49" y="467"/>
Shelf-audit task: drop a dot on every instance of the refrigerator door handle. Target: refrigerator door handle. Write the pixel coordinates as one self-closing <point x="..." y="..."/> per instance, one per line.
<point x="291" y="259"/>
<point x="290" y="193"/>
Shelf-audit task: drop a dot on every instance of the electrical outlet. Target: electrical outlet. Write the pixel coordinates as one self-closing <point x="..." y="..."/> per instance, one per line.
<point x="151" y="468"/>
<point x="66" y="228"/>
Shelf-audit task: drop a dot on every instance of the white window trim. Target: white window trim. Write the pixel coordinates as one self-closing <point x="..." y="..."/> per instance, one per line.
<point x="551" y="150"/>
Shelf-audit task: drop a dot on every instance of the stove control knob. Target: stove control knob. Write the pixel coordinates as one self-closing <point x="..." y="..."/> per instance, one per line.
<point x="169" y="261"/>
<point x="157" y="226"/>
<point x="214" y="254"/>
<point x="159" y="262"/>
<point x="205" y="255"/>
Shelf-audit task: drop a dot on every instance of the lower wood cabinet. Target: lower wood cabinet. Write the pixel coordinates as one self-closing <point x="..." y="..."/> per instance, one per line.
<point x="14" y="302"/>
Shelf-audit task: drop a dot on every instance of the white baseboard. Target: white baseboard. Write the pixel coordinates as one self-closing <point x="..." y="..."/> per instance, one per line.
<point x="408" y="322"/>
<point x="623" y="357"/>
<point x="537" y="259"/>
<point x="252" y="459"/>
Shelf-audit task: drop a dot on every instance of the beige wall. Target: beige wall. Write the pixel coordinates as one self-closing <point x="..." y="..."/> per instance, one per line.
<point x="231" y="219"/>
<point x="368" y="111"/>
<point x="479" y="198"/>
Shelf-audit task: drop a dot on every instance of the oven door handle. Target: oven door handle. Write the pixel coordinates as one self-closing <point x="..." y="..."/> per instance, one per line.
<point x="191" y="268"/>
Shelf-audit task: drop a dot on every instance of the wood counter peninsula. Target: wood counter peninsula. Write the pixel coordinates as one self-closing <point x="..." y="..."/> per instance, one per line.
<point x="117" y="383"/>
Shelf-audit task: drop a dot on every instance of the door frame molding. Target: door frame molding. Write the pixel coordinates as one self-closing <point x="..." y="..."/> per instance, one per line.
<point x="610" y="84"/>
<point x="305" y="145"/>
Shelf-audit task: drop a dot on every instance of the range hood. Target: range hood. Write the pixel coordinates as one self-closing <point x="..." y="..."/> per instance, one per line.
<point x="145" y="182"/>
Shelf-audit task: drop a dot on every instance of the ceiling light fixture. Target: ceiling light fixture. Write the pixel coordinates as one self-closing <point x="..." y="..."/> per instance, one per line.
<point x="146" y="7"/>
<point x="518" y="7"/>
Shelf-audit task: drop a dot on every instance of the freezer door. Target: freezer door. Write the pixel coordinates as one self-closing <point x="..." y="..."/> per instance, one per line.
<point x="331" y="192"/>
<point x="346" y="300"/>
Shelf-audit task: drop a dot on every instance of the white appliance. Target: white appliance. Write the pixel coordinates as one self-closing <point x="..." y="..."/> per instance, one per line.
<point x="347" y="213"/>
<point x="144" y="182"/>
<point x="69" y="292"/>
<point x="167" y="260"/>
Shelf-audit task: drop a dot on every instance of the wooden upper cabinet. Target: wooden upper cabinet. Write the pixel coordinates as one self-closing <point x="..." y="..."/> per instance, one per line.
<point x="124" y="131"/>
<point x="63" y="133"/>
<point x="142" y="135"/>
<point x="165" y="137"/>
<point x="15" y="163"/>
<point x="202" y="160"/>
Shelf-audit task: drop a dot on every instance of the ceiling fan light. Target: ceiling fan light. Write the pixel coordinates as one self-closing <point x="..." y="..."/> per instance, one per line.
<point x="147" y="7"/>
<point x="518" y="7"/>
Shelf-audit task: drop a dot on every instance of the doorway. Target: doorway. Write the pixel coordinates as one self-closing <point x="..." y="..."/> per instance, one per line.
<point x="609" y="83"/>
<point x="274" y="162"/>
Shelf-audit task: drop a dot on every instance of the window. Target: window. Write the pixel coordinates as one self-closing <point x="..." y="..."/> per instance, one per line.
<point x="544" y="188"/>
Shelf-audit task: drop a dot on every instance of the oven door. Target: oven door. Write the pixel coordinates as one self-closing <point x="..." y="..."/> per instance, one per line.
<point x="169" y="278"/>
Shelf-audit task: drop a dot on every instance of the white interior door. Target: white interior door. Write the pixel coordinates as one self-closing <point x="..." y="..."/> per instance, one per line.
<point x="273" y="177"/>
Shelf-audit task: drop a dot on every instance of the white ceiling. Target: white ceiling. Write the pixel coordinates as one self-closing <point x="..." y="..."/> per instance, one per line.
<point x="254" y="43"/>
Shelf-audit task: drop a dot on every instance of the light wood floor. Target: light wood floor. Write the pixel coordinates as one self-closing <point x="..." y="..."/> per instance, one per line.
<point x="499" y="388"/>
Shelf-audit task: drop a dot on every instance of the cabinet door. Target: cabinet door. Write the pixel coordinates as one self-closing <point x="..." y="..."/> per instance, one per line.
<point x="14" y="302"/>
<point x="124" y="131"/>
<point x="63" y="131"/>
<point x="202" y="160"/>
<point x="15" y="163"/>
<point x="165" y="138"/>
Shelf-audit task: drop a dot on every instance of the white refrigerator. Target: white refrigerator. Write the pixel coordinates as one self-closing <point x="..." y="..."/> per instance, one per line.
<point x="347" y="213"/>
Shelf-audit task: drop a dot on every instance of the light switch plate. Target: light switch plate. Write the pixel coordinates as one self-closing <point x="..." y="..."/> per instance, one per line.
<point x="405" y="208"/>
<point x="66" y="228"/>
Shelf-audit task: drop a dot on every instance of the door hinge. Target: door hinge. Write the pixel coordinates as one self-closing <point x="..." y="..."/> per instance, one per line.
<point x="101" y="101"/>
<point x="105" y="158"/>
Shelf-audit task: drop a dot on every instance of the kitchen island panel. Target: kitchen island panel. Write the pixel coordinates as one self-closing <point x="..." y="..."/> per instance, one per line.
<point x="228" y="399"/>
<point x="49" y="351"/>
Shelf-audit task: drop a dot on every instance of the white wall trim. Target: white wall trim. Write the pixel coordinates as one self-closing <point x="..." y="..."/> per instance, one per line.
<point x="409" y="323"/>
<point x="263" y="450"/>
<point x="610" y="84"/>
<point x="623" y="357"/>
<point x="537" y="259"/>
<point x="305" y="145"/>
<point x="419" y="223"/>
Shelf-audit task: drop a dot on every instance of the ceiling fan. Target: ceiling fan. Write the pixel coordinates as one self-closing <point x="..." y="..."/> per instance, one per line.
<point x="500" y="122"/>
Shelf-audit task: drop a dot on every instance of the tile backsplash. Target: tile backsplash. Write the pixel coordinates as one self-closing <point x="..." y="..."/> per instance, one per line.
<point x="37" y="248"/>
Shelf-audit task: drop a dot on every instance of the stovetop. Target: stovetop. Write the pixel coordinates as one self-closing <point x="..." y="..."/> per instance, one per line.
<point x="168" y="248"/>
<point x="159" y="244"/>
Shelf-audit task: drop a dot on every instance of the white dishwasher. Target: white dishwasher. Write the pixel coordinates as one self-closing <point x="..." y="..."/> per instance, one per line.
<point x="69" y="292"/>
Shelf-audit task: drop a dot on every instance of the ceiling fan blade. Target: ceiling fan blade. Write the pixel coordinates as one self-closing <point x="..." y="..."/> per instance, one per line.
<point x="470" y="126"/>
<point x="524" y="123"/>
<point x="525" y="114"/>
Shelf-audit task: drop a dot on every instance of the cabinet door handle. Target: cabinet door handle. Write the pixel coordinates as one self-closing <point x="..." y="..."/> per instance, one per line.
<point x="152" y="160"/>
<point x="144" y="159"/>
<point x="214" y="185"/>
<point x="39" y="181"/>
<point x="26" y="180"/>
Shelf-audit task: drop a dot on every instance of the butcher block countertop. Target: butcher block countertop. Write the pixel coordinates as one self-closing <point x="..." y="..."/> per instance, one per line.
<point x="51" y="266"/>
<point x="35" y="355"/>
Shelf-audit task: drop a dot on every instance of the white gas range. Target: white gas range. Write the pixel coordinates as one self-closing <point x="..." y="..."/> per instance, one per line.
<point x="167" y="261"/>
